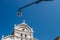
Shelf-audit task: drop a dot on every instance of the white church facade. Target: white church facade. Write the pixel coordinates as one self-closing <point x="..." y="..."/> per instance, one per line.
<point x="21" y="32"/>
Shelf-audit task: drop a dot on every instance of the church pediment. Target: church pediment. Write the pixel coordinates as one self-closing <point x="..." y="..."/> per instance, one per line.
<point x="23" y="27"/>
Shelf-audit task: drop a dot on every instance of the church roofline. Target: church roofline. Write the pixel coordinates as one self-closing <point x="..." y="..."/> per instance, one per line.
<point x="24" y="23"/>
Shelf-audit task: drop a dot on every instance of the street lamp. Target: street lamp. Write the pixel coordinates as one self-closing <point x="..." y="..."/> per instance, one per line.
<point x="19" y="13"/>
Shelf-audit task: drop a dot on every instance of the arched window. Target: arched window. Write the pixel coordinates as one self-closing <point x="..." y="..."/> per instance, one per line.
<point x="25" y="35"/>
<point x="21" y="34"/>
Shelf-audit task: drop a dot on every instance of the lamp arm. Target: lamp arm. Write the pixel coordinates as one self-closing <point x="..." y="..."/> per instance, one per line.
<point x="29" y="4"/>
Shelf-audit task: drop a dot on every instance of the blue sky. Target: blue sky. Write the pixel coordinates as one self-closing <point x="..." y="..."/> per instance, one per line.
<point x="44" y="17"/>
